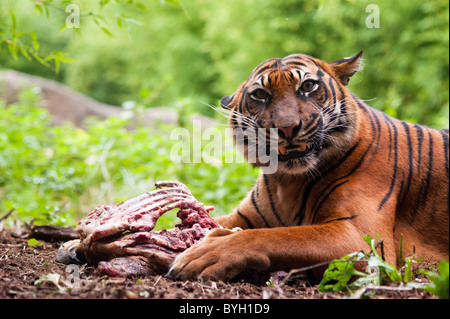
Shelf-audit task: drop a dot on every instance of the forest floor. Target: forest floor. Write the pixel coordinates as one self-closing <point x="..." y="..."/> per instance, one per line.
<point x="28" y="270"/>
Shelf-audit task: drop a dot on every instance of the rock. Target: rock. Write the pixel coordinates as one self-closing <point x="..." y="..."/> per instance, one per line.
<point x="66" y="105"/>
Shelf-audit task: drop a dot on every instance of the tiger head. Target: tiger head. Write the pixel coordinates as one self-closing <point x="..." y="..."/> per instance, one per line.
<point x="305" y="100"/>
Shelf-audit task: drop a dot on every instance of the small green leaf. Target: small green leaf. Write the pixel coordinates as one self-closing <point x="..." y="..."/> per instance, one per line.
<point x="13" y="49"/>
<point x="339" y="273"/>
<point x="107" y="32"/>
<point x="34" y="242"/>
<point x="141" y="6"/>
<point x="25" y="53"/>
<point x="103" y="3"/>
<point x="439" y="281"/>
<point x="63" y="27"/>
<point x="47" y="13"/>
<point x="13" y="22"/>
<point x="53" y="278"/>
<point x="34" y="40"/>
<point x="408" y="275"/>
<point x="40" y="60"/>
<point x="9" y="205"/>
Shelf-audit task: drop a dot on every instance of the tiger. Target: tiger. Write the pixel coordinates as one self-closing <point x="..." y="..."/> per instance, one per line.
<point x="345" y="170"/>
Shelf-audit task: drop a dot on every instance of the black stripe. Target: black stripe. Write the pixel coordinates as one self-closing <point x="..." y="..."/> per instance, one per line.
<point x="291" y="77"/>
<point x="445" y="139"/>
<point x="379" y="128"/>
<point x="233" y="120"/>
<point x="340" y="178"/>
<point x="276" y="63"/>
<point x="341" y="218"/>
<point x="360" y="105"/>
<point x="257" y="209"/>
<point x="294" y="63"/>
<point x="312" y="60"/>
<point x="419" y="131"/>
<point x="257" y="190"/>
<point x="301" y="212"/>
<point x="244" y="91"/>
<point x="358" y="164"/>
<point x="272" y="204"/>
<point x="247" y="221"/>
<point x="390" y="142"/>
<point x="333" y="92"/>
<point x="276" y="78"/>
<point x="365" y="109"/>
<point x="302" y="209"/>
<point x="266" y="67"/>
<point x="312" y="122"/>
<point x="343" y="112"/>
<point x="325" y="198"/>
<point x="429" y="173"/>
<point x="247" y="108"/>
<point x="419" y="146"/>
<point x="410" y="157"/>
<point x="343" y="101"/>
<point x="394" y="174"/>
<point x="305" y="195"/>
<point x="263" y="66"/>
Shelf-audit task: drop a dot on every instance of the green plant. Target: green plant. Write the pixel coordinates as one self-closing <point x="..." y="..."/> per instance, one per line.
<point x="180" y="50"/>
<point x="439" y="280"/>
<point x="57" y="174"/>
<point x="336" y="278"/>
<point x="341" y="275"/>
<point x="34" y="242"/>
<point x="27" y="44"/>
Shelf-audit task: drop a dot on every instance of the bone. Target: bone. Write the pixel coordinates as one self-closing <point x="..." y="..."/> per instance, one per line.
<point x="115" y="236"/>
<point x="132" y="214"/>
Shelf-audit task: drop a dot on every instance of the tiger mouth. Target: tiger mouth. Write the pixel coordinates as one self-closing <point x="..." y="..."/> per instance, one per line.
<point x="291" y="151"/>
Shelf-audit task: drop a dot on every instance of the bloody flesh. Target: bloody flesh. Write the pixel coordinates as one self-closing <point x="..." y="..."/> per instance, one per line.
<point x="119" y="237"/>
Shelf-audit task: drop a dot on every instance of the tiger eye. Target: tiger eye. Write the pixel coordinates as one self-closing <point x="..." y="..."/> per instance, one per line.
<point x="307" y="86"/>
<point x="260" y="94"/>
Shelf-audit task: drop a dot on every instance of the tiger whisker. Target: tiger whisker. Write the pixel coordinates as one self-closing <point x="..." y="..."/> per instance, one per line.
<point x="226" y="113"/>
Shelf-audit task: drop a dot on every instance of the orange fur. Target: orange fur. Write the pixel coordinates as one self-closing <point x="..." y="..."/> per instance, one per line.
<point x="372" y="174"/>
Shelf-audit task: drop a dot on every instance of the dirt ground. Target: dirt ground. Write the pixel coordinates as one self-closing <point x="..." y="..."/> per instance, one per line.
<point x="28" y="270"/>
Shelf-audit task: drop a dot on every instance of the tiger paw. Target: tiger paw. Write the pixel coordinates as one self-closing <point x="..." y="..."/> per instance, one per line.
<point x="222" y="255"/>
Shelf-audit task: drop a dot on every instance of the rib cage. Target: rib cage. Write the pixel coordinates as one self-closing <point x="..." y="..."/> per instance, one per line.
<point x="137" y="214"/>
<point x="120" y="237"/>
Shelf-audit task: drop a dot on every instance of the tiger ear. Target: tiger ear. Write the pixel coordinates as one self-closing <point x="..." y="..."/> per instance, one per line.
<point x="226" y="101"/>
<point x="344" y="68"/>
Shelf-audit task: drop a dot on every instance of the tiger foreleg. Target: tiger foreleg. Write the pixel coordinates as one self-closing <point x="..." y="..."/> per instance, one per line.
<point x="223" y="254"/>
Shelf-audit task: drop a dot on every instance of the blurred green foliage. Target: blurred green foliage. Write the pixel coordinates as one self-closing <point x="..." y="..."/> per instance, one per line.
<point x="155" y="52"/>
<point x="182" y="53"/>
<point x="57" y="174"/>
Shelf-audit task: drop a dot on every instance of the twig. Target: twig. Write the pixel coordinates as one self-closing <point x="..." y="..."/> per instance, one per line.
<point x="157" y="281"/>
<point x="361" y="291"/>
<point x="381" y="244"/>
<point x="298" y="270"/>
<point x="7" y="214"/>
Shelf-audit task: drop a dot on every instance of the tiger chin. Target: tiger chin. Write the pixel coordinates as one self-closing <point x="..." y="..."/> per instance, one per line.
<point x="343" y="170"/>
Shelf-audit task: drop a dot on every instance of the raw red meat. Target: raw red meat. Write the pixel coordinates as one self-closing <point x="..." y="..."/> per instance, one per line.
<point x="119" y="237"/>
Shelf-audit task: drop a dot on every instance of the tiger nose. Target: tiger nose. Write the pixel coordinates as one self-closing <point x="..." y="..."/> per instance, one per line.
<point x="288" y="131"/>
